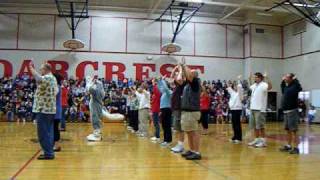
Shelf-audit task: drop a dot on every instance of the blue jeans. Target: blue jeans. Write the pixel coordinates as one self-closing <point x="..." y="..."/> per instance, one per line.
<point x="45" y="133"/>
<point x="63" y="119"/>
<point x="155" y="118"/>
<point x="10" y="116"/>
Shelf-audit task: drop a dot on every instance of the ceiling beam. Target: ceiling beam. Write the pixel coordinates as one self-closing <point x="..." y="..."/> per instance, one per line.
<point x="154" y="8"/>
<point x="228" y="4"/>
<point x="230" y="14"/>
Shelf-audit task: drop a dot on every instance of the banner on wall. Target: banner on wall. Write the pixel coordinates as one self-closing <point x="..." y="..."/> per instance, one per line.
<point x="112" y="70"/>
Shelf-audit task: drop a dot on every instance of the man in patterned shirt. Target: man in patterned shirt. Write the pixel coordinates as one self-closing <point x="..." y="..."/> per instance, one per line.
<point x="44" y="106"/>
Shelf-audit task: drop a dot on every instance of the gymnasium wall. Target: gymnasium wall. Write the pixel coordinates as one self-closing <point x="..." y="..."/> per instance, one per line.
<point x="128" y="40"/>
<point x="302" y="54"/>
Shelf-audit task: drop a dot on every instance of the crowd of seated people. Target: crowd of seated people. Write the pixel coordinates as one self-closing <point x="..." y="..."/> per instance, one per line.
<point x="17" y="96"/>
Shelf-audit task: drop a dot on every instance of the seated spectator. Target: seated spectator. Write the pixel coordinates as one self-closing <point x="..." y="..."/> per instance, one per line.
<point x="312" y="114"/>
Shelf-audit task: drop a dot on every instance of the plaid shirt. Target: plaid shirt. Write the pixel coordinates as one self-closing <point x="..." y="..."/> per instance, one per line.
<point x="45" y="96"/>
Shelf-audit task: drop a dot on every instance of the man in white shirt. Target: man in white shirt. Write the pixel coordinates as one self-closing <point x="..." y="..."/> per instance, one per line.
<point x="143" y="96"/>
<point x="258" y="107"/>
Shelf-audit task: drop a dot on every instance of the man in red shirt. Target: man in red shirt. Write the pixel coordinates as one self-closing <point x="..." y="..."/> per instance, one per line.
<point x="155" y="109"/>
<point x="64" y="103"/>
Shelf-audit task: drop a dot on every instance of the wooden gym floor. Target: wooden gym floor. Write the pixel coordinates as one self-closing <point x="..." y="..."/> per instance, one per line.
<point x="122" y="155"/>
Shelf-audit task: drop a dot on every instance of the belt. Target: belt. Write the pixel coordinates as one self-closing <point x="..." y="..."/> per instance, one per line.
<point x="145" y="108"/>
<point x="289" y="111"/>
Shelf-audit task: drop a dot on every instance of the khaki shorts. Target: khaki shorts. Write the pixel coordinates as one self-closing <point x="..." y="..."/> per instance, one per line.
<point x="177" y="120"/>
<point x="189" y="120"/>
<point x="257" y="120"/>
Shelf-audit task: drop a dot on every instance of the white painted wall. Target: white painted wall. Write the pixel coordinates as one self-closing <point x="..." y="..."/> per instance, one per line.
<point x="267" y="44"/>
<point x="126" y="38"/>
<point x="214" y="68"/>
<point x="302" y="55"/>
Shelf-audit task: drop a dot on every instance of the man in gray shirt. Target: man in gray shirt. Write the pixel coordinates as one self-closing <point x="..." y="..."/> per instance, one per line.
<point x="190" y="111"/>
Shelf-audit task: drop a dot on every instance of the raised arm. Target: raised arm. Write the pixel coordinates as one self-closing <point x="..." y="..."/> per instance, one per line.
<point x="34" y="73"/>
<point x="187" y="73"/>
<point x="163" y="87"/>
<point x="172" y="76"/>
<point x="267" y="79"/>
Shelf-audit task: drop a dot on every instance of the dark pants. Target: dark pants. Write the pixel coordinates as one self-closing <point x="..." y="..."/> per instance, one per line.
<point x="45" y="133"/>
<point x="155" y="118"/>
<point x="56" y="130"/>
<point x="64" y="116"/>
<point x="236" y="124"/>
<point x="166" y="124"/>
<point x="135" y="120"/>
<point x="204" y="119"/>
<point x="128" y="116"/>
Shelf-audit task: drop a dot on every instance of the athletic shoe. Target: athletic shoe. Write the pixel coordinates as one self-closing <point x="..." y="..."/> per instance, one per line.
<point x="155" y="139"/>
<point x="133" y="131"/>
<point x="165" y="144"/>
<point x="286" y="148"/>
<point x="194" y="156"/>
<point x="261" y="144"/>
<point x="205" y="132"/>
<point x="177" y="149"/>
<point x="95" y="136"/>
<point x="187" y="153"/>
<point x="43" y="157"/>
<point x="142" y="135"/>
<point x="236" y="141"/>
<point x="254" y="142"/>
<point x="295" y="151"/>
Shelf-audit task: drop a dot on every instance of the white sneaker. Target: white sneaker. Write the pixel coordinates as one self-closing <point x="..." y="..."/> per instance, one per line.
<point x="133" y="131"/>
<point x="254" y="142"/>
<point x="262" y="143"/>
<point x="129" y="128"/>
<point x="155" y="139"/>
<point x="165" y="144"/>
<point x="177" y="149"/>
<point x="94" y="137"/>
<point x="236" y="141"/>
<point x="142" y="135"/>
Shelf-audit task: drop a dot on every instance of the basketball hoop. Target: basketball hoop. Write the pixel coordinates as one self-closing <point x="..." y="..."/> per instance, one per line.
<point x="73" y="44"/>
<point x="171" y="48"/>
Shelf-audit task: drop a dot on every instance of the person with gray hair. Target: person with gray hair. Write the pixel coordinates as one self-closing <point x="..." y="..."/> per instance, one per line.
<point x="190" y="111"/>
<point x="44" y="106"/>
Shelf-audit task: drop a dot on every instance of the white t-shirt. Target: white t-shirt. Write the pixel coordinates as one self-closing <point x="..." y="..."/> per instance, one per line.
<point x="144" y="99"/>
<point x="259" y="96"/>
<point x="235" y="98"/>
